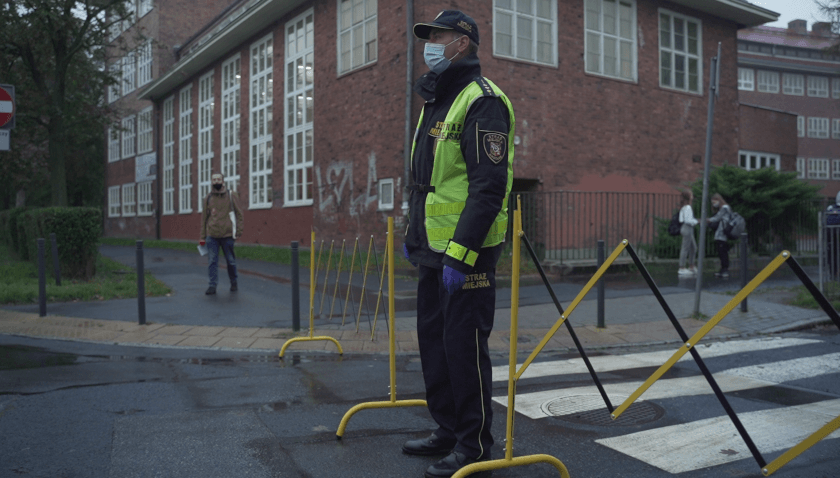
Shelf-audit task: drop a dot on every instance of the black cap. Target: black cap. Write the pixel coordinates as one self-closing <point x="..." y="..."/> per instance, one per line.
<point x="449" y="20"/>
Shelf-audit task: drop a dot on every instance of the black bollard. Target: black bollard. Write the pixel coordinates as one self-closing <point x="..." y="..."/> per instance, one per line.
<point x="744" y="268"/>
<point x="42" y="280"/>
<point x="56" y="268"/>
<point x="295" y="287"/>
<point x="601" y="285"/>
<point x="141" y="285"/>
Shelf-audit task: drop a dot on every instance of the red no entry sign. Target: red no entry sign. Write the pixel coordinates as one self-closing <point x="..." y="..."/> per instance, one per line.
<point x="7" y="107"/>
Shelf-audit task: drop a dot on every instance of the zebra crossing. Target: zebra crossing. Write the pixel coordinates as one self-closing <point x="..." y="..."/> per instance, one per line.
<point x="696" y="444"/>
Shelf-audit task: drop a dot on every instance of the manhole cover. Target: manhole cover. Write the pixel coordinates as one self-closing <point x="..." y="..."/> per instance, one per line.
<point x="591" y="410"/>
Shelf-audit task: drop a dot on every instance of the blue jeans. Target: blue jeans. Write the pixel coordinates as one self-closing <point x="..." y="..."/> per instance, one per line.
<point x="213" y="244"/>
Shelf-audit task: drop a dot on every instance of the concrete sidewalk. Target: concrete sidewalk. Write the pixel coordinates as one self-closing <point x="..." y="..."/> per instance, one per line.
<point x="258" y="317"/>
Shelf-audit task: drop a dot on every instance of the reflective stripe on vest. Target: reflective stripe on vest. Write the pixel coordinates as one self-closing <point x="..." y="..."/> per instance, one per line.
<point x="449" y="173"/>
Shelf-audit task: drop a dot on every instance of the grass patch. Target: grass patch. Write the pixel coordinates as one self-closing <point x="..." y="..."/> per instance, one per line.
<point x="19" y="282"/>
<point x="803" y="298"/>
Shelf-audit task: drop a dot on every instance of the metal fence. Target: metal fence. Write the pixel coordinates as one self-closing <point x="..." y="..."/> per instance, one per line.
<point x="565" y="226"/>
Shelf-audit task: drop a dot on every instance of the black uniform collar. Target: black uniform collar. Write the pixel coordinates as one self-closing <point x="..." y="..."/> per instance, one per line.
<point x="432" y="86"/>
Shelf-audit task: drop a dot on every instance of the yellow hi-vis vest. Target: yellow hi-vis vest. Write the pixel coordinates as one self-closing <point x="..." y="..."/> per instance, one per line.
<point x="449" y="172"/>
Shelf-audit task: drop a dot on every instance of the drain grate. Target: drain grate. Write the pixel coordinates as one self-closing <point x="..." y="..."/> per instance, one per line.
<point x="591" y="410"/>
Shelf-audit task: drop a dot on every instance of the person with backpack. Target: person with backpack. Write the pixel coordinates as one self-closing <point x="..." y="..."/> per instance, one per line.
<point x="688" y="251"/>
<point x="222" y="222"/>
<point x="719" y="221"/>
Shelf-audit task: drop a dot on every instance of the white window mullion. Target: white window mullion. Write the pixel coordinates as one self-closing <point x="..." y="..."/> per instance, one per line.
<point x="144" y="199"/>
<point x="114" y="201"/>
<point x="144" y="130"/>
<point x="818" y="168"/>
<point x="526" y="31"/>
<point x="793" y="84"/>
<point x="128" y="136"/>
<point x="357" y="34"/>
<point x="299" y="110"/>
<point x="168" y="156"/>
<point x="680" y="52"/>
<point x="610" y="38"/>
<point x="129" y="68"/>
<point x="746" y="79"/>
<point x="113" y="144"/>
<point x="185" y="151"/>
<point x="752" y="160"/>
<point x="206" y="102"/>
<point x="230" y="122"/>
<point x="128" y="200"/>
<point x="260" y="124"/>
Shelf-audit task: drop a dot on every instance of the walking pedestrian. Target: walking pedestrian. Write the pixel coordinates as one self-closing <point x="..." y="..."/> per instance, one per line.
<point x="688" y="251"/>
<point x="719" y="221"/>
<point x="221" y="223"/>
<point x="462" y="172"/>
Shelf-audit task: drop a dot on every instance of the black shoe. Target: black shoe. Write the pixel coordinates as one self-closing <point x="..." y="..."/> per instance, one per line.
<point x="431" y="445"/>
<point x="451" y="464"/>
<point x="233" y="287"/>
<point x="210" y="290"/>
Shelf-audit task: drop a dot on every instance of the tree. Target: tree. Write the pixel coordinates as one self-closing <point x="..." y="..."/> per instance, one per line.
<point x="775" y="204"/>
<point x="831" y="9"/>
<point x="55" y="51"/>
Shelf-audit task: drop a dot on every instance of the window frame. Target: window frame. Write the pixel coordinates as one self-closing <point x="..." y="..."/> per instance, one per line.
<point x="144" y="63"/>
<point x="819" y="168"/>
<point x="380" y="187"/>
<point x="697" y="57"/>
<point x="114" y="205"/>
<point x="231" y="120"/>
<point x="536" y="21"/>
<point x="366" y="24"/>
<point x="763" y="159"/>
<point x="800" y="168"/>
<point x="144" y="131"/>
<point x="835" y="128"/>
<point x="793" y="84"/>
<point x="260" y="164"/>
<point x="206" y="104"/>
<point x="128" y="132"/>
<point x="168" y="145"/>
<point x="144" y="199"/>
<point x="835" y="88"/>
<point x="129" y="200"/>
<point x="818" y="86"/>
<point x="767" y="86"/>
<point x="185" y="126"/>
<point x="114" y="144"/>
<point x="746" y="79"/>
<point x="800" y="126"/>
<point x="298" y="134"/>
<point x="634" y="48"/>
<point x="129" y="73"/>
<point x="115" y="90"/>
<point x="835" y="170"/>
<point x="818" y="127"/>
<point x="144" y="7"/>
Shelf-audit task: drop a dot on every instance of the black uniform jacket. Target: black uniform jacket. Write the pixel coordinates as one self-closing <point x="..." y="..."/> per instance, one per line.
<point x="487" y="179"/>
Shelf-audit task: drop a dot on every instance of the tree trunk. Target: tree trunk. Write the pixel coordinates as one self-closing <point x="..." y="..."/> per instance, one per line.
<point x="58" y="174"/>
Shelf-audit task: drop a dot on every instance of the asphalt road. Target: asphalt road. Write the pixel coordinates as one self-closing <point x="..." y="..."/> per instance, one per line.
<point x="71" y="409"/>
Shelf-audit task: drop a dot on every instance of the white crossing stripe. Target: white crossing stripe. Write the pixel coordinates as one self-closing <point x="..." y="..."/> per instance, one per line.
<point x="649" y="359"/>
<point x="715" y="441"/>
<point x="579" y="399"/>
<point x="789" y="370"/>
<point x="5" y="106"/>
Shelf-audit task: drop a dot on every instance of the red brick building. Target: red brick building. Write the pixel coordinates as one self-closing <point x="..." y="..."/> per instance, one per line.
<point x="787" y="70"/>
<point x="609" y="95"/>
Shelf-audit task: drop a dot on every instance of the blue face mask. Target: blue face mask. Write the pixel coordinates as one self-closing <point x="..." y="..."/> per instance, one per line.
<point x="433" y="54"/>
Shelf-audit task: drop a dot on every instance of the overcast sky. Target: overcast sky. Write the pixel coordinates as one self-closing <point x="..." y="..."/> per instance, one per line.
<point x="791" y="10"/>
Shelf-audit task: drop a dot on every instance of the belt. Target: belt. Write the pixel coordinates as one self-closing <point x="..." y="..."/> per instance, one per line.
<point x="421" y="188"/>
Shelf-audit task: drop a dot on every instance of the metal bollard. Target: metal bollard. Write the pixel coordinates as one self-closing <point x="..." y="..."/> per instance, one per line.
<point x="744" y="268"/>
<point x="141" y="285"/>
<point x="296" y="286"/>
<point x="42" y="280"/>
<point x="601" y="285"/>
<point x="56" y="268"/>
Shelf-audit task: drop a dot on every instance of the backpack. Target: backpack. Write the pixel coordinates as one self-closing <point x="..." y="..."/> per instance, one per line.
<point x="735" y="226"/>
<point x="674" y="226"/>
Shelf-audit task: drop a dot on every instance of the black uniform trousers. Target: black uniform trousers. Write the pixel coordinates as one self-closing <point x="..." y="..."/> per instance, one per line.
<point x="452" y="332"/>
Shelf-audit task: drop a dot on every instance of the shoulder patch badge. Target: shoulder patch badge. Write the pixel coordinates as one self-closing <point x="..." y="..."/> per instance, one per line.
<point x="495" y="145"/>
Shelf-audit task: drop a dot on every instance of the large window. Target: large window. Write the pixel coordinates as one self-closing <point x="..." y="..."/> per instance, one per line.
<point x="168" y="156"/>
<point x="527" y="30"/>
<point x="205" y="135"/>
<point x="128" y="73"/>
<point x="768" y="81"/>
<point x="835" y="171"/>
<point x="610" y="40"/>
<point x="800" y="168"/>
<point x="357" y="27"/>
<point x="751" y="160"/>
<point x="114" y="201"/>
<point x="299" y="109"/>
<point x="818" y="128"/>
<point x="185" y="150"/>
<point x="800" y="126"/>
<point x="144" y="64"/>
<point x="128" y="200"/>
<point x="793" y="84"/>
<point x="818" y="86"/>
<point x="746" y="79"/>
<point x="835" y="129"/>
<point x="230" y="122"/>
<point x="128" y="136"/>
<point x="817" y="168"/>
<point x="262" y="86"/>
<point x="143" y="7"/>
<point x="113" y="144"/>
<point x="680" y="64"/>
<point x="144" y="199"/>
<point x="144" y="131"/>
<point x="835" y="88"/>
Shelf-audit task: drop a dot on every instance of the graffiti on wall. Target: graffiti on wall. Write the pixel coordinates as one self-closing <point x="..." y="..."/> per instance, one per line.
<point x="337" y="192"/>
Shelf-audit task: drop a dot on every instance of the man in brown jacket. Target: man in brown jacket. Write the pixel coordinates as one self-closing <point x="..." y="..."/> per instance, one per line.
<point x="221" y="223"/>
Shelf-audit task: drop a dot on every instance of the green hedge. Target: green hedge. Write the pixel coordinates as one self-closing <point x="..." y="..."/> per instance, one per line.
<point x="77" y="231"/>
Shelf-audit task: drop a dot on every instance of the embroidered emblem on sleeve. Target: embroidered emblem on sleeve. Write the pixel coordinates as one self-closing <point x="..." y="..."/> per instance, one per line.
<point x="495" y="145"/>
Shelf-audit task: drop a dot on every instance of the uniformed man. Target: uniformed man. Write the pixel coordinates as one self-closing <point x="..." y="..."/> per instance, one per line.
<point x="461" y="175"/>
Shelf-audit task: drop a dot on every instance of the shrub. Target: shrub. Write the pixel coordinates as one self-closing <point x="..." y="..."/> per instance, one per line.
<point x="77" y="232"/>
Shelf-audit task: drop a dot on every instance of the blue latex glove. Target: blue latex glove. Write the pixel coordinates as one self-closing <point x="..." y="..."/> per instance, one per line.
<point x="452" y="279"/>
<point x="405" y="253"/>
